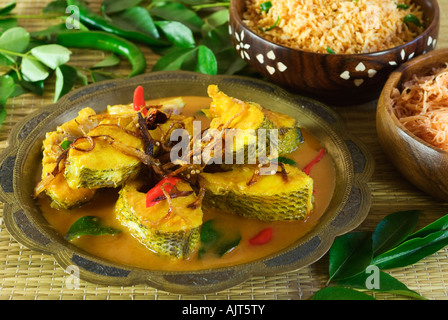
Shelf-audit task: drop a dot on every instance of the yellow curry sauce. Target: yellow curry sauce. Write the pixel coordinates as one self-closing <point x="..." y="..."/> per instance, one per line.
<point x="125" y="249"/>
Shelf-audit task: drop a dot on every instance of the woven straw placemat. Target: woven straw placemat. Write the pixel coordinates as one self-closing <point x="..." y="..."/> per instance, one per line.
<point x="27" y="274"/>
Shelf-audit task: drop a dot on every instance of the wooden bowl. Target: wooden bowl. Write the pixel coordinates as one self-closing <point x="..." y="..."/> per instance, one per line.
<point x="333" y="78"/>
<point x="421" y="163"/>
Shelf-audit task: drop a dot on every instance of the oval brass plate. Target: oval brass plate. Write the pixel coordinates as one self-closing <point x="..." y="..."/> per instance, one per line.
<point x="20" y="162"/>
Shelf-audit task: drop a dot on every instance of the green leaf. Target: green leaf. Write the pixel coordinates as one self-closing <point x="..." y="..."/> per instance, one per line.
<point x="217" y="39"/>
<point x="173" y="60"/>
<point x="171" y="11"/>
<point x="114" y="6"/>
<point x="412" y="251"/>
<point x="330" y="51"/>
<point x="410" y="18"/>
<point x="136" y="19"/>
<point x="66" y="144"/>
<point x="99" y="76"/>
<point x="16" y="40"/>
<point x="89" y="225"/>
<point x="393" y="229"/>
<point x="286" y="161"/>
<point x="350" y="254"/>
<point x="57" y="6"/>
<point x="206" y="61"/>
<point x="22" y="86"/>
<point x="216" y="241"/>
<point x="7" y="86"/>
<point x="438" y="225"/>
<point x="2" y="114"/>
<point x="386" y="283"/>
<point x="7" y="8"/>
<point x="81" y="78"/>
<point x="177" y="33"/>
<point x="52" y="55"/>
<point x="33" y="70"/>
<point x="66" y="77"/>
<point x="340" y="293"/>
<point x="6" y="24"/>
<point x="109" y="61"/>
<point x="217" y="18"/>
<point x="402" y="6"/>
<point x="265" y="6"/>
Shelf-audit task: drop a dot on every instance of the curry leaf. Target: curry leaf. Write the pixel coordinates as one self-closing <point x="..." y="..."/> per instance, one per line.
<point x="89" y="225"/>
<point x="440" y="224"/>
<point x="206" y="61"/>
<point x="386" y="283"/>
<point x="350" y="254"/>
<point x="7" y="86"/>
<point x="8" y="8"/>
<point x="340" y="293"/>
<point x="15" y="40"/>
<point x="66" y="77"/>
<point x="136" y="19"/>
<point x="173" y="60"/>
<point x="177" y="33"/>
<point x="393" y="229"/>
<point x="109" y="61"/>
<point x="113" y="6"/>
<point x="6" y="24"/>
<point x="52" y="55"/>
<point x="33" y="70"/>
<point x="57" y="6"/>
<point x="172" y="11"/>
<point x="216" y="241"/>
<point x="412" y="251"/>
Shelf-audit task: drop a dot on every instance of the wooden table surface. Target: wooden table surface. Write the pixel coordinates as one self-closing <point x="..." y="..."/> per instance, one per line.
<point x="27" y="274"/>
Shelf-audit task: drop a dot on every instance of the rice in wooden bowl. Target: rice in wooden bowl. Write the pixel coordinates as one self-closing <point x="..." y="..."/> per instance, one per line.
<point x="337" y="50"/>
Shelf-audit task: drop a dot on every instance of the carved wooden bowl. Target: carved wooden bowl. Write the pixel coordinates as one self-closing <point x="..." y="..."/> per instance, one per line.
<point x="421" y="163"/>
<point x="333" y="78"/>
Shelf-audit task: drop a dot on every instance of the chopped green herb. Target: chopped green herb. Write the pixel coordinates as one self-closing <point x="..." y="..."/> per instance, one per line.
<point x="89" y="225"/>
<point x="286" y="161"/>
<point x="330" y="51"/>
<point x="265" y="6"/>
<point x="410" y="18"/>
<point x="402" y="6"/>
<point x="216" y="241"/>
<point x="65" y="144"/>
<point x="271" y="27"/>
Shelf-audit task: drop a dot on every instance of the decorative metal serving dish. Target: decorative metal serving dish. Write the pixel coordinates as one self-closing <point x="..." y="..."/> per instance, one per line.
<point x="21" y="160"/>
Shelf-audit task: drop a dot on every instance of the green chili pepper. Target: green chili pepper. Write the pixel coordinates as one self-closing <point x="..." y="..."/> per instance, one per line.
<point x="65" y="144"/>
<point x="410" y="18"/>
<point x="403" y="6"/>
<point x="100" y="40"/>
<point x="271" y="27"/>
<point x="95" y="21"/>
<point x="265" y="6"/>
<point x="330" y="51"/>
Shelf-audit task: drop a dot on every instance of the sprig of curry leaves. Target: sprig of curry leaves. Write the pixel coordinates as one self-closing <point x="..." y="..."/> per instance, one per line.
<point x="393" y="244"/>
<point x="197" y="33"/>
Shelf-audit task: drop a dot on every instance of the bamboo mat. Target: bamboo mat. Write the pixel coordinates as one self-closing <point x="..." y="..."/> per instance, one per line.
<point x="27" y="274"/>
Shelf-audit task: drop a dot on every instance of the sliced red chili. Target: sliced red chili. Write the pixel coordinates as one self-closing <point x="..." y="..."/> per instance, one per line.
<point x="319" y="156"/>
<point x="263" y="237"/>
<point x="139" y="99"/>
<point x="156" y="191"/>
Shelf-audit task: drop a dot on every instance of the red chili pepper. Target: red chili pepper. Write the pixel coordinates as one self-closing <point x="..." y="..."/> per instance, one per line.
<point x="139" y="99"/>
<point x="308" y="167"/>
<point x="263" y="237"/>
<point x="156" y="191"/>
